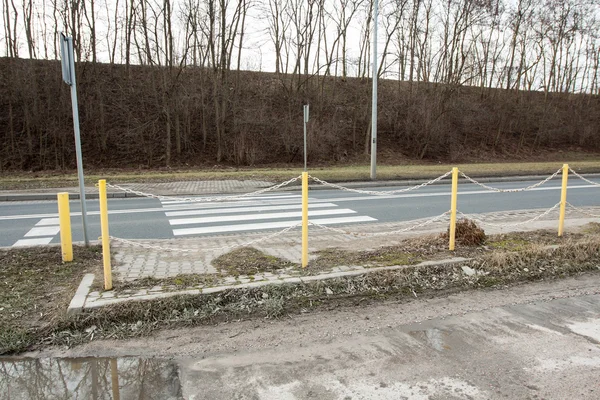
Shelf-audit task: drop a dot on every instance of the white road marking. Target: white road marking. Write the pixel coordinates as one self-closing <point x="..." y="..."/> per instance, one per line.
<point x="267" y="225"/>
<point x="32" y="242"/>
<point x="43" y="231"/>
<point x="182" y="201"/>
<point x="224" y="204"/>
<point x="252" y="217"/>
<point x="48" y="221"/>
<point x="244" y="209"/>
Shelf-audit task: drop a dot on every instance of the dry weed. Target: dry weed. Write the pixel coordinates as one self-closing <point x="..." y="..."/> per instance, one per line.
<point x="468" y="233"/>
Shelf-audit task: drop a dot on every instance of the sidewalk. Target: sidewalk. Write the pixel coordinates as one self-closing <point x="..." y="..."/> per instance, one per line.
<point x="181" y="188"/>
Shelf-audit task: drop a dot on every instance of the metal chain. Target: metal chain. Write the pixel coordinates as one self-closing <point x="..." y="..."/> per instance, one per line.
<point x="582" y="211"/>
<point x="202" y="199"/>
<point x="376" y="234"/>
<point x="232" y="246"/>
<point x="583" y="178"/>
<point x="548" y="211"/>
<point x="493" y="189"/>
<point x="380" y="193"/>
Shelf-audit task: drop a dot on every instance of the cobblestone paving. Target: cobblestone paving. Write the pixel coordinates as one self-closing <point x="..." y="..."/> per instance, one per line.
<point x="162" y="189"/>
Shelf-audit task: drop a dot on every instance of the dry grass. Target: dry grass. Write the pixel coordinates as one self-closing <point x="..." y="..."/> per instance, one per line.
<point x="468" y="233"/>
<point x="249" y="261"/>
<point x="36" y="288"/>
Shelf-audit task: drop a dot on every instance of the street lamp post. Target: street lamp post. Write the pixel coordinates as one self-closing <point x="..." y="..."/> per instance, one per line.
<point x="374" y="97"/>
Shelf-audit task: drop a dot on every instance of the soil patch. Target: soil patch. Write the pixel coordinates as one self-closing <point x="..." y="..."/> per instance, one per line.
<point x="36" y="288"/>
<point x="249" y="261"/>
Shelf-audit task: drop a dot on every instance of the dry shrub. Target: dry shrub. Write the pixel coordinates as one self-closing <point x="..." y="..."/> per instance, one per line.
<point x="468" y="233"/>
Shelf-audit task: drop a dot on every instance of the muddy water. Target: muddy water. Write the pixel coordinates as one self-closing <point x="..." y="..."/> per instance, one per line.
<point x="88" y="378"/>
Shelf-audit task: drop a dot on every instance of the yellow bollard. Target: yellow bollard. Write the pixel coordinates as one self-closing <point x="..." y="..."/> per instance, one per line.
<point x="453" y="207"/>
<point x="304" y="219"/>
<point x="64" y="216"/>
<point x="563" y="199"/>
<point x="105" y="236"/>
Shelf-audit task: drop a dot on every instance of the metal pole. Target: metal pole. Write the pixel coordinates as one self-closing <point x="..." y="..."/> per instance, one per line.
<point x="374" y="96"/>
<point x="78" y="142"/>
<point x="306" y="116"/>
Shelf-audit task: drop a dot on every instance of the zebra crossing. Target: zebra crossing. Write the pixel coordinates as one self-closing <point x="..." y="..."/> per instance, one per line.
<point x="42" y="233"/>
<point x="266" y="212"/>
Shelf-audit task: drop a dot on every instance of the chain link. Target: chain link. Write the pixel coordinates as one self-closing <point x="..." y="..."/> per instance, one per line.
<point x="493" y="189"/>
<point x="202" y="199"/>
<point x="582" y="211"/>
<point x="232" y="246"/>
<point x="376" y="234"/>
<point x="583" y="178"/>
<point x="472" y="217"/>
<point x="380" y="193"/>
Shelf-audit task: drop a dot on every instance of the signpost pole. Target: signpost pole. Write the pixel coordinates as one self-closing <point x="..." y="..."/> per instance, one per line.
<point x="68" y="69"/>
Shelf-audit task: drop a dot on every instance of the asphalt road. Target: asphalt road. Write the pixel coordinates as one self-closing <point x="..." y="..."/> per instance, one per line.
<point x="36" y="223"/>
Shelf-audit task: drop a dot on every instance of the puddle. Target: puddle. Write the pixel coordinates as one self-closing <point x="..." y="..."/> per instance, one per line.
<point x="435" y="338"/>
<point x="89" y="378"/>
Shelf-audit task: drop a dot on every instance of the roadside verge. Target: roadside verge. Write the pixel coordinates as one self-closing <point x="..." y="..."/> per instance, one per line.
<point x="502" y="261"/>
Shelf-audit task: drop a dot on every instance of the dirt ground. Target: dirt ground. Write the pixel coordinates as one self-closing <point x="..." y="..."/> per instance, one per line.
<point x="296" y="333"/>
<point x="532" y="341"/>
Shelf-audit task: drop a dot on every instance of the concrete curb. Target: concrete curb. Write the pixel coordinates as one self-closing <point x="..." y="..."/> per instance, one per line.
<point x="140" y="296"/>
<point x="52" y="196"/>
<point x="78" y="301"/>
<point x="16" y="196"/>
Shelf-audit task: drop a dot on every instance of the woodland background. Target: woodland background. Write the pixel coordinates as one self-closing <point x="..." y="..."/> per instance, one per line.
<point x="165" y="83"/>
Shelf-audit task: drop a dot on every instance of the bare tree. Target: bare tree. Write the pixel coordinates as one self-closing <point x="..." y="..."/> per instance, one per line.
<point x="90" y="17"/>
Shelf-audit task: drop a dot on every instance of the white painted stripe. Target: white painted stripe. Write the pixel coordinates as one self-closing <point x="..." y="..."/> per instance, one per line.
<point x="255" y="217"/>
<point x="43" y="231"/>
<point x="244" y="209"/>
<point x="292" y="196"/>
<point x="32" y="242"/>
<point x="266" y="225"/>
<point x="48" y="221"/>
<point x="188" y="206"/>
